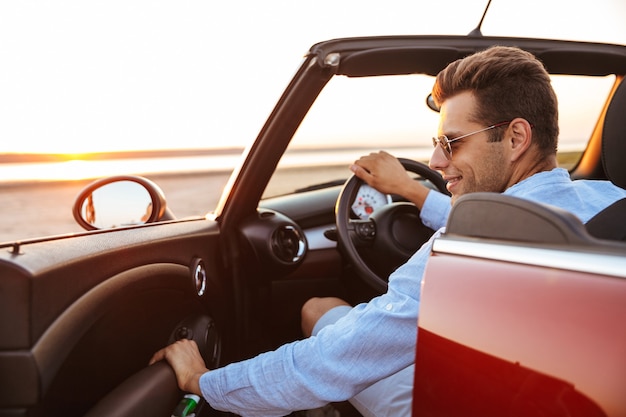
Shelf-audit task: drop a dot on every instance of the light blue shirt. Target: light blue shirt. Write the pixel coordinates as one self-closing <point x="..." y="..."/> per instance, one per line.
<point x="375" y="339"/>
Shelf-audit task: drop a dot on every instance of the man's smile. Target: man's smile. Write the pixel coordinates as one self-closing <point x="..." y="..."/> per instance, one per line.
<point x="452" y="181"/>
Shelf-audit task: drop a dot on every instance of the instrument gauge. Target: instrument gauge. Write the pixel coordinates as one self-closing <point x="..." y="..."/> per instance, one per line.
<point x="367" y="200"/>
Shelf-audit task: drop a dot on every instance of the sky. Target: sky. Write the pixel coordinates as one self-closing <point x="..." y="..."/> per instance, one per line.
<point x="84" y="76"/>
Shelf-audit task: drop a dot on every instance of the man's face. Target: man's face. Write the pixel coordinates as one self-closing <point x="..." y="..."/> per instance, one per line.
<point x="476" y="164"/>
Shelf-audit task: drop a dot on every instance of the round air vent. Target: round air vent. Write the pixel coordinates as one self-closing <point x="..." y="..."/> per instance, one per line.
<point x="288" y="244"/>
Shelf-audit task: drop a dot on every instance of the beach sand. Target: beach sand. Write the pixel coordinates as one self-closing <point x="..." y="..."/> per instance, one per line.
<point x="37" y="209"/>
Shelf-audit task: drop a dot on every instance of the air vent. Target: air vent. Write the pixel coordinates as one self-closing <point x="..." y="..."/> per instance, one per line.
<point x="288" y="244"/>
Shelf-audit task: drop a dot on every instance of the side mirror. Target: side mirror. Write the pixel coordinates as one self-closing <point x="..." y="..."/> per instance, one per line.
<point x="430" y="102"/>
<point x="120" y="201"/>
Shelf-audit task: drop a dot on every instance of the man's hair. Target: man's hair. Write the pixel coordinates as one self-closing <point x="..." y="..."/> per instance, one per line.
<point x="507" y="82"/>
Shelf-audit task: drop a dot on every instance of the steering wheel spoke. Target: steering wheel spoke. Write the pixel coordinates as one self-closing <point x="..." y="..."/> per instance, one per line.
<point x="363" y="232"/>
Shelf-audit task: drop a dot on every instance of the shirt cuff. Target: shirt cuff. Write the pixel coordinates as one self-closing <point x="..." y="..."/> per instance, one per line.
<point x="435" y="211"/>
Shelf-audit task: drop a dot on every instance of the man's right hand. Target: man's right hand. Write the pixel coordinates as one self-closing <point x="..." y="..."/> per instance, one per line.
<point x="385" y="173"/>
<point x="184" y="357"/>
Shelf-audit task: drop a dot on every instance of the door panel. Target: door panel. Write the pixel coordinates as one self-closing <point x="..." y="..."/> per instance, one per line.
<point x="496" y="330"/>
<point x="89" y="311"/>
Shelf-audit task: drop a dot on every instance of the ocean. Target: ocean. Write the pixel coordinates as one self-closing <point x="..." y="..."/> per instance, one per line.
<point x="78" y="169"/>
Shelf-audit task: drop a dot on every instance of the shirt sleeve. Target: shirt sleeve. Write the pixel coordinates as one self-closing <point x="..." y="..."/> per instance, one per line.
<point x="435" y="211"/>
<point x="373" y="341"/>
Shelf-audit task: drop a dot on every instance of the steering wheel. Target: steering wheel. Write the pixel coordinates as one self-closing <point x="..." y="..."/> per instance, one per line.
<point x="391" y="234"/>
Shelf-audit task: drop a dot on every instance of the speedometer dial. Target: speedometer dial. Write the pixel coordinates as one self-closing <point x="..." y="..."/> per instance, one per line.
<point x="367" y="200"/>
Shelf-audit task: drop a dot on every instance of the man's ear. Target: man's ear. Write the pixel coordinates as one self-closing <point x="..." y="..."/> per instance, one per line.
<point x="519" y="136"/>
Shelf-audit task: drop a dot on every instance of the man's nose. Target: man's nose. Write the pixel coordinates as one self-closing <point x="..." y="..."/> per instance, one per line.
<point x="438" y="160"/>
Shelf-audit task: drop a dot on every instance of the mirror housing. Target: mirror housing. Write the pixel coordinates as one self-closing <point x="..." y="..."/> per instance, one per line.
<point x="430" y="102"/>
<point x="120" y="201"/>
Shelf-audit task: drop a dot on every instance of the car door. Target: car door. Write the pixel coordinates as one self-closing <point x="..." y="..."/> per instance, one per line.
<point x="522" y="314"/>
<point x="80" y="314"/>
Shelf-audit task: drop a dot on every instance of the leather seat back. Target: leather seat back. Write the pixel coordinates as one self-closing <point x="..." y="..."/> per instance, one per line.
<point x="610" y="223"/>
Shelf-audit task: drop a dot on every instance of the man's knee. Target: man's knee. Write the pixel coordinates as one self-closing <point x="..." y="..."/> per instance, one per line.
<point x="314" y="308"/>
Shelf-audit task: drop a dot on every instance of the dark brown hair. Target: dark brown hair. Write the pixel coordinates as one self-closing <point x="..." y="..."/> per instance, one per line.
<point x="507" y="82"/>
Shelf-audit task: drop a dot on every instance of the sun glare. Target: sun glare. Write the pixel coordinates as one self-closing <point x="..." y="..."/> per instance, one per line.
<point x="69" y="170"/>
<point x="72" y="170"/>
<point x="70" y="157"/>
<point x="52" y="171"/>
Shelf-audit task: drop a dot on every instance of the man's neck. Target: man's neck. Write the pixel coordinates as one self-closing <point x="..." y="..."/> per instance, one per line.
<point x="532" y="166"/>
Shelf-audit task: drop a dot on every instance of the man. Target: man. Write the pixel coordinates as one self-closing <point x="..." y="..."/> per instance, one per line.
<point x="498" y="132"/>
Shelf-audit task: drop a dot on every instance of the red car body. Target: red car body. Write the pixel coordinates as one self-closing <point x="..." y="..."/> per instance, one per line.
<point x="512" y="328"/>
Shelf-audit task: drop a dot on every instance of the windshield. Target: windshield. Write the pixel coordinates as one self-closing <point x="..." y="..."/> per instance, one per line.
<point x="355" y="116"/>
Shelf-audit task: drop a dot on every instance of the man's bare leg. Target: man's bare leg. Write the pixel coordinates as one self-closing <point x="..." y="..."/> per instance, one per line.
<point x="315" y="308"/>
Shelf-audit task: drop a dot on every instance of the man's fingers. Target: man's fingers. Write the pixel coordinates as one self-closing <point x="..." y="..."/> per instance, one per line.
<point x="180" y="346"/>
<point x="359" y="171"/>
<point x="158" y="356"/>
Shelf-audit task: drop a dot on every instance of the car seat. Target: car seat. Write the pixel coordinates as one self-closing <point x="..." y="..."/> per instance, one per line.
<point x="610" y="223"/>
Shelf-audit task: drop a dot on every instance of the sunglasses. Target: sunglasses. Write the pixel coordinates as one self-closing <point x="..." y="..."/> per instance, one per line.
<point x="444" y="142"/>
